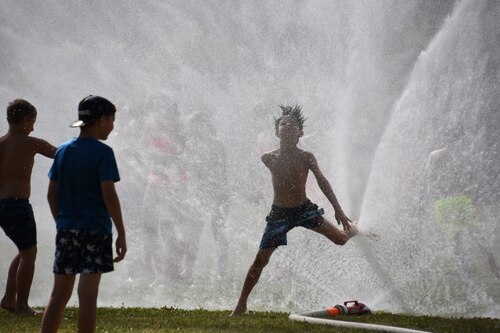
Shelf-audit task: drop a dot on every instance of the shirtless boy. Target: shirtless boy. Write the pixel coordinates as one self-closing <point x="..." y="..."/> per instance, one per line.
<point x="289" y="167"/>
<point x="17" y="152"/>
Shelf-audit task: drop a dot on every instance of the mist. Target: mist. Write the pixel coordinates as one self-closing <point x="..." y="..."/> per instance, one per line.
<point x="401" y="100"/>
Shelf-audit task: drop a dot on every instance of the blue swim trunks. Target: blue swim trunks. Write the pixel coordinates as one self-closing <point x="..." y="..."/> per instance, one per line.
<point x="281" y="220"/>
<point x="83" y="251"/>
<point x="18" y="222"/>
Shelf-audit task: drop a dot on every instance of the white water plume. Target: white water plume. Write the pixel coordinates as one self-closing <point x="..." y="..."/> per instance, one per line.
<point x="402" y="105"/>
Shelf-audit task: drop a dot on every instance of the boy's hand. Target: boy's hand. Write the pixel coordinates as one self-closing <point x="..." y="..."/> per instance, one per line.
<point x="121" y="248"/>
<point x="342" y="219"/>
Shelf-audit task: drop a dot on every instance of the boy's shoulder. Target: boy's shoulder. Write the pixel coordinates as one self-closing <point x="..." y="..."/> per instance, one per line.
<point x="276" y="152"/>
<point x="86" y="142"/>
<point x="270" y="154"/>
<point x="19" y="140"/>
<point x="88" y="145"/>
<point x="305" y="157"/>
<point x="300" y="156"/>
<point x="304" y="152"/>
<point x="34" y="140"/>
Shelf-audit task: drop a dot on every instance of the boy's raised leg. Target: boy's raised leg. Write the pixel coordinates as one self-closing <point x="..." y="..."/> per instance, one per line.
<point x="61" y="293"/>
<point x="339" y="237"/>
<point x="88" y="289"/>
<point x="251" y="279"/>
<point x="9" y="299"/>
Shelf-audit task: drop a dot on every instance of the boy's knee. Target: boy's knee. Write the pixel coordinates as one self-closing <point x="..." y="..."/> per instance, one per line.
<point x="29" y="253"/>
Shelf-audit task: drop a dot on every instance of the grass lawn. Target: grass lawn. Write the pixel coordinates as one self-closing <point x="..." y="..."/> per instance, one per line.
<point x="176" y="320"/>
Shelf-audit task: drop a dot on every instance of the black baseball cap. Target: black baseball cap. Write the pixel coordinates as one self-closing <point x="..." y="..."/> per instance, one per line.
<point x="91" y="108"/>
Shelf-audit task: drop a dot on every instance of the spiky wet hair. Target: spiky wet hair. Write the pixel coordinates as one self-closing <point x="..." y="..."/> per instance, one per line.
<point x="294" y="111"/>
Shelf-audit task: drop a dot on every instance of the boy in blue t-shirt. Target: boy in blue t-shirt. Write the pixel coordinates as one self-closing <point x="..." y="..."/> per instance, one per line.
<point x="83" y="201"/>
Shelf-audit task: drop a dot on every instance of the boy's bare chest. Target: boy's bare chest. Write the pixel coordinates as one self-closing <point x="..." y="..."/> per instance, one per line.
<point x="288" y="168"/>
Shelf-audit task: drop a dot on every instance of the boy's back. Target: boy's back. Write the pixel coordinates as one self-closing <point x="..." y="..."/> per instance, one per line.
<point x="80" y="166"/>
<point x="17" y="154"/>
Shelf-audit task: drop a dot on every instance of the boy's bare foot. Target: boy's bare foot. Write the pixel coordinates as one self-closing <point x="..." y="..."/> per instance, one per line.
<point x="353" y="231"/>
<point x="7" y="306"/>
<point x="27" y="310"/>
<point x="239" y="310"/>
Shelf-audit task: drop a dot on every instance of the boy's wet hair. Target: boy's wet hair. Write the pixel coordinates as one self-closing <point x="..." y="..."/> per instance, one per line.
<point x="294" y="111"/>
<point x="18" y="109"/>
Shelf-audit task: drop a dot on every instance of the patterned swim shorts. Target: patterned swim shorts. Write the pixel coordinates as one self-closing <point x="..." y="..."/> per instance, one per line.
<point x="83" y="251"/>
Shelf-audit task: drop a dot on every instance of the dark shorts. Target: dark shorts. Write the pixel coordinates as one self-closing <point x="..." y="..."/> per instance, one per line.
<point x="83" y="251"/>
<point x="281" y="220"/>
<point x="18" y="222"/>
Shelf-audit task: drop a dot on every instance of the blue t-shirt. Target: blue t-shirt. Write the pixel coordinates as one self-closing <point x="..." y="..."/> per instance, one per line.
<point x="79" y="167"/>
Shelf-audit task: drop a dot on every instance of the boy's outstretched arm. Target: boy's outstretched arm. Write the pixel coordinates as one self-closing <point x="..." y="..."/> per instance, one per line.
<point x="44" y="148"/>
<point x="113" y="205"/>
<point x="327" y="190"/>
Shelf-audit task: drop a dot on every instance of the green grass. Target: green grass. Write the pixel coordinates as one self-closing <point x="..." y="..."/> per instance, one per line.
<point x="176" y="320"/>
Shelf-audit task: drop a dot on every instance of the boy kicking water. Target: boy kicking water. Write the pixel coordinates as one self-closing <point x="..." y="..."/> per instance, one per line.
<point x="291" y="208"/>
<point x="83" y="201"/>
<point x="17" y="152"/>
